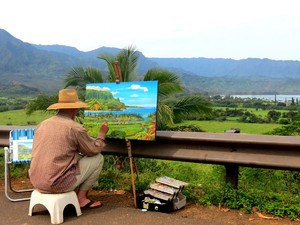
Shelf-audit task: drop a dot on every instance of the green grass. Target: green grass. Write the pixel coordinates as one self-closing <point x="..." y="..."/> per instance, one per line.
<point x="257" y="112"/>
<point x="220" y="127"/>
<point x="19" y="118"/>
<point x="264" y="113"/>
<point x="270" y="191"/>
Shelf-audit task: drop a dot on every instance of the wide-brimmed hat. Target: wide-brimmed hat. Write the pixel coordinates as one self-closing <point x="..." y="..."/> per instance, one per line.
<point x="68" y="99"/>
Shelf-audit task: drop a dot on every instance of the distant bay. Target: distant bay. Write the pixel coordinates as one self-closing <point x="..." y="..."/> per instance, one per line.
<point x="279" y="98"/>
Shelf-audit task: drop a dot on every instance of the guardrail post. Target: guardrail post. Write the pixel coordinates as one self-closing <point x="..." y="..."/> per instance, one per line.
<point x="232" y="174"/>
<point x="232" y="170"/>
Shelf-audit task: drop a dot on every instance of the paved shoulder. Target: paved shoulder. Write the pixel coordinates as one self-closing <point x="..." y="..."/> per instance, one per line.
<point x="16" y="213"/>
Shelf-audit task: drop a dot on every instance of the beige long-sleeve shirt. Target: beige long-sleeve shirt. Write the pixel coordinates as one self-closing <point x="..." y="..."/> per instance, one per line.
<point x="56" y="146"/>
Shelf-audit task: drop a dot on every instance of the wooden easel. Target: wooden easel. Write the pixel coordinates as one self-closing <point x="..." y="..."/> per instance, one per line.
<point x="128" y="142"/>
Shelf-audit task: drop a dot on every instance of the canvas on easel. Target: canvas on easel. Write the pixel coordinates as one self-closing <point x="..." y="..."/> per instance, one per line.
<point x="129" y="108"/>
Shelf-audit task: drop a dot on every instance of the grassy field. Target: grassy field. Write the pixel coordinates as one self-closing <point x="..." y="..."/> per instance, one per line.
<point x="220" y="127"/>
<point x="257" y="112"/>
<point x="262" y="112"/>
<point x="19" y="118"/>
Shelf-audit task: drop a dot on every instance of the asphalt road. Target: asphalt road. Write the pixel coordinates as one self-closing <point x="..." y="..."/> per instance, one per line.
<point x="16" y="213"/>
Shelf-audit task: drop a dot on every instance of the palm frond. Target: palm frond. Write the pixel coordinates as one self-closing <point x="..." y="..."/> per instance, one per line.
<point x="109" y="59"/>
<point x="41" y="103"/>
<point x="164" y="116"/>
<point x="93" y="75"/>
<point x="74" y="77"/>
<point x="168" y="82"/>
<point x="190" y="105"/>
<point x="128" y="59"/>
<point x="80" y="76"/>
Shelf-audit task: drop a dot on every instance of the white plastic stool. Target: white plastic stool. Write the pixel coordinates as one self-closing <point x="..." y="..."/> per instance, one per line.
<point x="55" y="204"/>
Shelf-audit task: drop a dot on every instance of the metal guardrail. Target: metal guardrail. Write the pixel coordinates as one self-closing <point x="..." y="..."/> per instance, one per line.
<point x="277" y="152"/>
<point x="229" y="149"/>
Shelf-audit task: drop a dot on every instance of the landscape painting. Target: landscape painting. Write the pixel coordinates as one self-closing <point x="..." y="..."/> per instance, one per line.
<point x="24" y="150"/>
<point x="129" y="108"/>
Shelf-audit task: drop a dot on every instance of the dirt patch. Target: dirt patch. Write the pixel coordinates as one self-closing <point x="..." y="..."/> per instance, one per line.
<point x="120" y="198"/>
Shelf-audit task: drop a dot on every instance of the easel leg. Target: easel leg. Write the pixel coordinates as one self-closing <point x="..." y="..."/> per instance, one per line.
<point x="132" y="171"/>
<point x="136" y="169"/>
<point x="118" y="75"/>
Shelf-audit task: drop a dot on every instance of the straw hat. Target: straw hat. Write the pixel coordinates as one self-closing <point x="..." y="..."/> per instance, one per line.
<point x="68" y="99"/>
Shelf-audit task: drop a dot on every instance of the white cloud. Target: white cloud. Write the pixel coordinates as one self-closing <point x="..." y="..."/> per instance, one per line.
<point x="138" y="87"/>
<point x="134" y="95"/>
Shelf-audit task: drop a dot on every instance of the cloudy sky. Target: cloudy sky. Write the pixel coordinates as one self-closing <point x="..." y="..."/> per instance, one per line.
<point x="234" y="29"/>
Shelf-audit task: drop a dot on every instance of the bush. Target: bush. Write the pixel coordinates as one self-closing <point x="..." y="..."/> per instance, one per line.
<point x="186" y="128"/>
<point x="31" y="122"/>
<point x="284" y="121"/>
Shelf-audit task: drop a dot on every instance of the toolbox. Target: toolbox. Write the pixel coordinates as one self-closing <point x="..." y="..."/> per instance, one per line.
<point x="163" y="196"/>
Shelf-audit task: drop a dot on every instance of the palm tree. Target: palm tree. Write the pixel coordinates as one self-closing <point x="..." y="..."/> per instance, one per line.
<point x="170" y="111"/>
<point x="80" y="76"/>
<point x="169" y="84"/>
<point x="41" y="102"/>
<point x="188" y="105"/>
<point x="128" y="59"/>
<point x="77" y="77"/>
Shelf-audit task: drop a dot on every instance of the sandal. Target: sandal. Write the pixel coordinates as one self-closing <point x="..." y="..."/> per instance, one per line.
<point x="89" y="206"/>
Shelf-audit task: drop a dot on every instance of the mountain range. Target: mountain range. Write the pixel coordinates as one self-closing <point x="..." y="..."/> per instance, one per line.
<point x="28" y="69"/>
